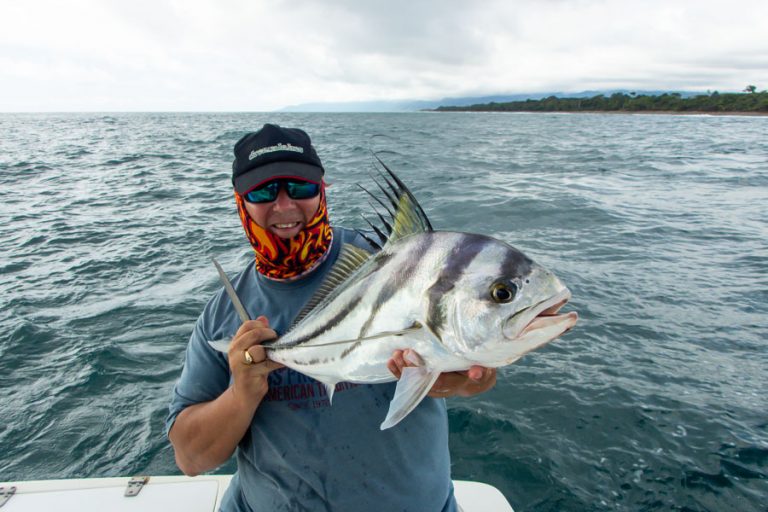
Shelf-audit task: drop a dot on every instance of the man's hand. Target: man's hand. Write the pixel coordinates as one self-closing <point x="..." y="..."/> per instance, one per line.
<point x="250" y="379"/>
<point x="477" y="379"/>
<point x="206" y="434"/>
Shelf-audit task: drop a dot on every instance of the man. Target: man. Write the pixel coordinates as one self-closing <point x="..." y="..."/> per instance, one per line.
<point x="295" y="451"/>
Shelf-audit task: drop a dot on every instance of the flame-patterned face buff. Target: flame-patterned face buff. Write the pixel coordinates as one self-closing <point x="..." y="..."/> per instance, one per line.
<point x="284" y="260"/>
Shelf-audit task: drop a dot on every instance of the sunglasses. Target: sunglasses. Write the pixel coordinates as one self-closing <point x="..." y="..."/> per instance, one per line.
<point x="294" y="188"/>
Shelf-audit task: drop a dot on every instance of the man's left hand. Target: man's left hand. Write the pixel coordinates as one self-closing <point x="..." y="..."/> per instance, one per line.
<point x="477" y="379"/>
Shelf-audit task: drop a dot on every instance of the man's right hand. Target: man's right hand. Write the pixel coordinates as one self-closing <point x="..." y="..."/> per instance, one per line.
<point x="250" y="379"/>
<point x="206" y="434"/>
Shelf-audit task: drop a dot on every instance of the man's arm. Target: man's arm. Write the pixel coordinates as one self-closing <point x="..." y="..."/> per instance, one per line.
<point x="467" y="383"/>
<point x="205" y="435"/>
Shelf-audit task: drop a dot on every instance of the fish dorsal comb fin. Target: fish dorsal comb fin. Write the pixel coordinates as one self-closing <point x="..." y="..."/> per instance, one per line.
<point x="406" y="217"/>
<point x="350" y="259"/>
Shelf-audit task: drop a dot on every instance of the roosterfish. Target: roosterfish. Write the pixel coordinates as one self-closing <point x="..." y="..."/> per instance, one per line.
<point x="455" y="299"/>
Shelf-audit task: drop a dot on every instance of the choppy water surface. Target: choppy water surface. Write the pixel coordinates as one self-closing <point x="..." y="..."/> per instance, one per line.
<point x="659" y="225"/>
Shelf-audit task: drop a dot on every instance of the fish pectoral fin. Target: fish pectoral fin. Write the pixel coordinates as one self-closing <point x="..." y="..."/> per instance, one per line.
<point x="221" y="345"/>
<point x="414" y="384"/>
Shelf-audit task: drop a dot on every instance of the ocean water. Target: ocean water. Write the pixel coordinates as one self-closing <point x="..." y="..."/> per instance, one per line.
<point x="657" y="400"/>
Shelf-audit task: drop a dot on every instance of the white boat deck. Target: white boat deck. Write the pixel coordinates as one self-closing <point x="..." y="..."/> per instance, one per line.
<point x="170" y="493"/>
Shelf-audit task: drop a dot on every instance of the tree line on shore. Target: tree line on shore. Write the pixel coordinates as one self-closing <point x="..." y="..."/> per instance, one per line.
<point x="748" y="101"/>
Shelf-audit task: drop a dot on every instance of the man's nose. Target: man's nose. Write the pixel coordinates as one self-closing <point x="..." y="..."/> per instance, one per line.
<point x="283" y="200"/>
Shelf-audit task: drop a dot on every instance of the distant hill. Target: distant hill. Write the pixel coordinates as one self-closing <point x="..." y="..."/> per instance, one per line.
<point x="465" y="101"/>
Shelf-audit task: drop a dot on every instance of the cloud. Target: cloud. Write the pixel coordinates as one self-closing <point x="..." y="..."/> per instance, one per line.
<point x="261" y="55"/>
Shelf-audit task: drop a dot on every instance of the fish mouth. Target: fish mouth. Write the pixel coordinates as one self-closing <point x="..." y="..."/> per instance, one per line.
<point x="542" y="316"/>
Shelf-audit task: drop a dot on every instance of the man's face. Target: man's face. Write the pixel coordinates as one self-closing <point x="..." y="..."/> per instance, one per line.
<point x="284" y="217"/>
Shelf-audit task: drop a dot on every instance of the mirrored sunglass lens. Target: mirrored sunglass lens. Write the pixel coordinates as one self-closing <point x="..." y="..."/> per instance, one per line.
<point x="301" y="189"/>
<point x="263" y="194"/>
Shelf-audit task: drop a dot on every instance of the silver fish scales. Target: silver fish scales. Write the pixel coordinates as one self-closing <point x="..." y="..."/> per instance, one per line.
<point x="456" y="299"/>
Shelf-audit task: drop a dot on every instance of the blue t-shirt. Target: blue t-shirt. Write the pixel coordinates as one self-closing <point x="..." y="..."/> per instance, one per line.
<point x="301" y="452"/>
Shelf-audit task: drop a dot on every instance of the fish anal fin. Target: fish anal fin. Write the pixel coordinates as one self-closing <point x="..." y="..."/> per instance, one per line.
<point x="330" y="387"/>
<point x="414" y="384"/>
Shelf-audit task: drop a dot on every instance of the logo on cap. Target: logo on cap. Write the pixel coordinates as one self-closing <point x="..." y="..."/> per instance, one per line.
<point x="271" y="149"/>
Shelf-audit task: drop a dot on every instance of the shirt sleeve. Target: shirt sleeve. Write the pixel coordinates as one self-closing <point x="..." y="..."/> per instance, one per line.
<point x="205" y="374"/>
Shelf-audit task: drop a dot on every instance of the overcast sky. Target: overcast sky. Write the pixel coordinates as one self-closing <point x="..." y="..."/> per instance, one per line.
<point x="258" y="55"/>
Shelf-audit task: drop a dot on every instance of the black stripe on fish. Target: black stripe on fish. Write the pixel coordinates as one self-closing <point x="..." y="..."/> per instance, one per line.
<point x="516" y="264"/>
<point x="350" y="349"/>
<point x="310" y="362"/>
<point x="378" y="261"/>
<point x="395" y="283"/>
<point x="330" y="324"/>
<point x="464" y="252"/>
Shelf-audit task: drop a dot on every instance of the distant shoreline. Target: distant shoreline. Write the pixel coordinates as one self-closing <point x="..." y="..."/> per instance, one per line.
<point x="618" y="112"/>
<point x="733" y="104"/>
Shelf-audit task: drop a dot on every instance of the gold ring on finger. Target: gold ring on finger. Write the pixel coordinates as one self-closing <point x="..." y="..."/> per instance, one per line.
<point x="248" y="358"/>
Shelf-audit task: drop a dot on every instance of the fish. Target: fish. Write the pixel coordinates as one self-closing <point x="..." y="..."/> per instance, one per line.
<point x="455" y="299"/>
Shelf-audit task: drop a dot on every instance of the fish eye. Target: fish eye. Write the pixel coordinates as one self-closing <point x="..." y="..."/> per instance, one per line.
<point x="503" y="292"/>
